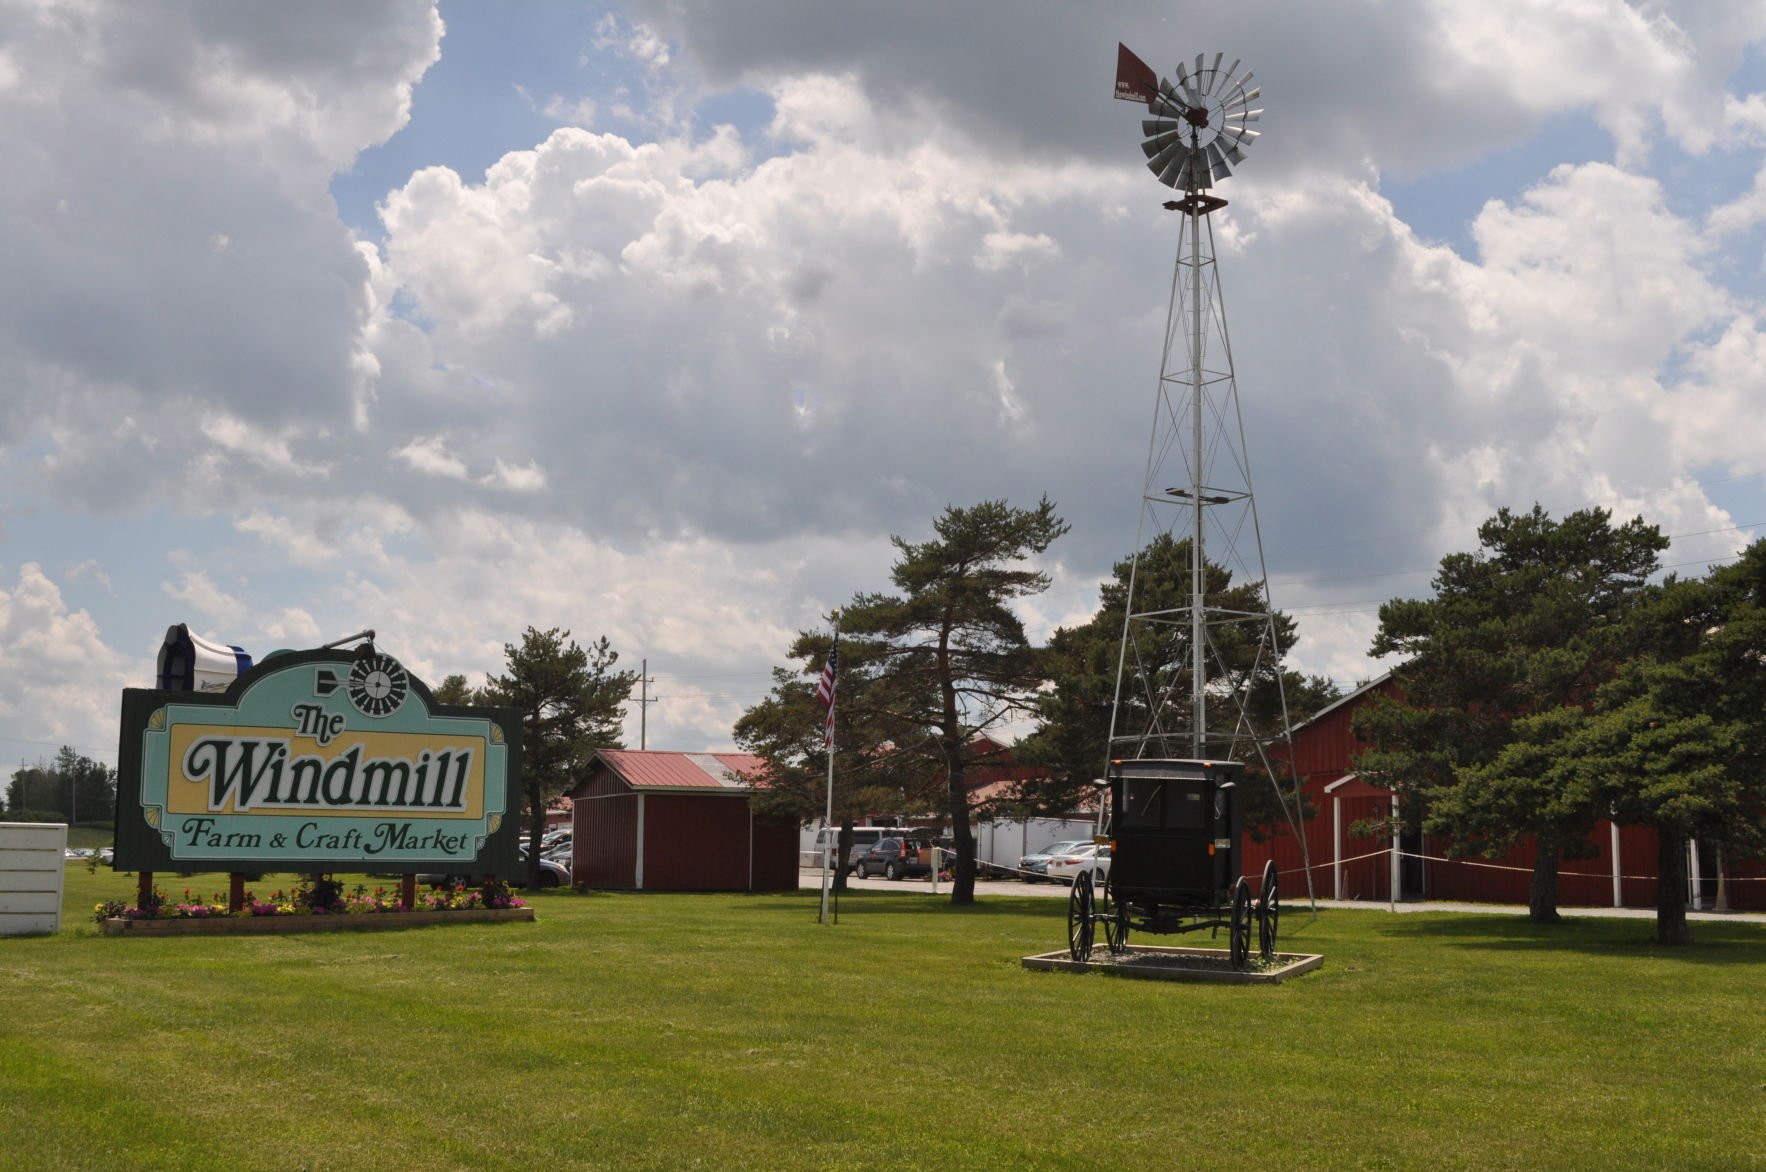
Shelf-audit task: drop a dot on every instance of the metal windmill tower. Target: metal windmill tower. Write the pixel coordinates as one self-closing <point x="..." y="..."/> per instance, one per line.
<point x="1191" y="658"/>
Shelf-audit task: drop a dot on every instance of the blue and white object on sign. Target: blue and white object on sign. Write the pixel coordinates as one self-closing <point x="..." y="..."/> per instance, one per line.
<point x="190" y="663"/>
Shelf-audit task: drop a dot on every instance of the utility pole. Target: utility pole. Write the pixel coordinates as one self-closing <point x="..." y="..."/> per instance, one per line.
<point x="645" y="699"/>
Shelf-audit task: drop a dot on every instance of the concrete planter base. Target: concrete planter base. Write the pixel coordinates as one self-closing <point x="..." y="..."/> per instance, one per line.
<point x="1152" y="962"/>
<point x="283" y="925"/>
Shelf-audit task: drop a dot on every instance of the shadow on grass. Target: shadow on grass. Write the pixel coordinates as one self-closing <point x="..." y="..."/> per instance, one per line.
<point x="872" y="903"/>
<point x="941" y="905"/>
<point x="1713" y="943"/>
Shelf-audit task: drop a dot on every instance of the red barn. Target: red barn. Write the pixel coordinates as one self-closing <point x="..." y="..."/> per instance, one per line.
<point x="1348" y="865"/>
<point x="656" y="821"/>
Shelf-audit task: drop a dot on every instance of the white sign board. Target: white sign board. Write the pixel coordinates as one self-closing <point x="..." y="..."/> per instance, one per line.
<point x="32" y="866"/>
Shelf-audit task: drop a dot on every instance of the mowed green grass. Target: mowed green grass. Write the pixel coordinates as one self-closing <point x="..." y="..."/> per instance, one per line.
<point x="661" y="1031"/>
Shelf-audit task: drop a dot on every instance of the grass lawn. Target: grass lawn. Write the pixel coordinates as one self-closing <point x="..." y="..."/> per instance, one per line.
<point x="662" y="1031"/>
<point x="90" y="836"/>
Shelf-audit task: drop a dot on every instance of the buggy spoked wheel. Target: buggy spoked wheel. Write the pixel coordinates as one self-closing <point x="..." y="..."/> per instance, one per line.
<point x="1239" y="933"/>
<point x="1079" y="917"/>
<point x="1114" y="913"/>
<point x="1269" y="913"/>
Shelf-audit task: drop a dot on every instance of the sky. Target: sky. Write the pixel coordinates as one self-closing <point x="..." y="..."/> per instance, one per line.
<point x="657" y="320"/>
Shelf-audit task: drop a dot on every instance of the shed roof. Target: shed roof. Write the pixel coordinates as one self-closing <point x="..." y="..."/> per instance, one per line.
<point x="1009" y="791"/>
<point x="656" y="769"/>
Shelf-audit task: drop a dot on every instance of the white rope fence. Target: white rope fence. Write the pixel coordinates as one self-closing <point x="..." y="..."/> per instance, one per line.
<point x="994" y="869"/>
<point x="1604" y="876"/>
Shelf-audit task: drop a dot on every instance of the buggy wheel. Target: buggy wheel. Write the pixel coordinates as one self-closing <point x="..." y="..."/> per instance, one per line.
<point x="1114" y="913"/>
<point x="1269" y="912"/>
<point x="1239" y="935"/>
<point x="1079" y="918"/>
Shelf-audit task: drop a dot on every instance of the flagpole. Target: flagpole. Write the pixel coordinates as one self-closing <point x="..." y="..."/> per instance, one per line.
<point x="828" y="818"/>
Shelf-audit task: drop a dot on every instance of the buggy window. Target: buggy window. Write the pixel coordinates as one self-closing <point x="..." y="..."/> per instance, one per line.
<point x="1184" y="808"/>
<point x="1164" y="803"/>
<point x="1140" y="802"/>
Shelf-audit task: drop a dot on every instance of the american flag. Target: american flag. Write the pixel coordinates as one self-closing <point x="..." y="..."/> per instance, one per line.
<point x="825" y="688"/>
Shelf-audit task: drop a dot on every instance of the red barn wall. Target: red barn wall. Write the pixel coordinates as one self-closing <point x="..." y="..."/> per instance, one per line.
<point x="1323" y="752"/>
<point x="1747" y="886"/>
<point x="775" y="855"/>
<point x="696" y="842"/>
<point x="604" y="835"/>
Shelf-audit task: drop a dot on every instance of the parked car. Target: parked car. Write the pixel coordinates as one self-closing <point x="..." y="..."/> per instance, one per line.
<point x="552" y="874"/>
<point x="1065" y="867"/>
<point x="863" y="839"/>
<point x="1035" y="868"/>
<point x="894" y="858"/>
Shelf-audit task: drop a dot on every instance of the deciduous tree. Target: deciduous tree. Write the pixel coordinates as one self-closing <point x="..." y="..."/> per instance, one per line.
<point x="786" y="730"/>
<point x="72" y="787"/>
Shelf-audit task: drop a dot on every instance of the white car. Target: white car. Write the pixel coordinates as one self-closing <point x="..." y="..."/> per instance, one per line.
<point x="1087" y="857"/>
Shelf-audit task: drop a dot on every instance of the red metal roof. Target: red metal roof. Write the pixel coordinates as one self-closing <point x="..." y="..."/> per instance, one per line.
<point x="655" y="769"/>
<point x="1008" y="791"/>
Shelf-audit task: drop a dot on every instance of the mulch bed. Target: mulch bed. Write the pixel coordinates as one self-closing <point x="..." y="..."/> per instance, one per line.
<point x="1154" y="962"/>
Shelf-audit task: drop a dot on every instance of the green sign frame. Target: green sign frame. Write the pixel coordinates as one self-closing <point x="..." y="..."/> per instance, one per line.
<point x="317" y="761"/>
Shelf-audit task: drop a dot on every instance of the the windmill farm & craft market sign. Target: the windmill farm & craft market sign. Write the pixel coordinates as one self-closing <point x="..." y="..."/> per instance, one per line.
<point x="316" y="761"/>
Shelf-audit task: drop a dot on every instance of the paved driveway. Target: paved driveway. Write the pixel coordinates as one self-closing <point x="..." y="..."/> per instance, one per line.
<point x="813" y="879"/>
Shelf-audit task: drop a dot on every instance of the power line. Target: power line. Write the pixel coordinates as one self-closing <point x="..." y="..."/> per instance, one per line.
<point x="84" y="749"/>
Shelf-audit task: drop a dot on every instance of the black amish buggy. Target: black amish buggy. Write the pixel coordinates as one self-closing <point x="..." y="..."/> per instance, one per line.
<point x="1175" y="829"/>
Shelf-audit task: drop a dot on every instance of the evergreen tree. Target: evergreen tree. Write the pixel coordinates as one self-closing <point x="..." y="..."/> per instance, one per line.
<point x="927" y="669"/>
<point x="455" y="690"/>
<point x="1675" y="741"/>
<point x="1532" y="621"/>
<point x="571" y="702"/>
<point x="1072" y="736"/>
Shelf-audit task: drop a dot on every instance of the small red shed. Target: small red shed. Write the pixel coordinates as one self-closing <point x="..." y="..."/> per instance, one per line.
<point x="661" y="821"/>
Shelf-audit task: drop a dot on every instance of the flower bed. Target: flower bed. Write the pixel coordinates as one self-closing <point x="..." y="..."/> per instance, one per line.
<point x="278" y="925"/>
<point x="318" y="905"/>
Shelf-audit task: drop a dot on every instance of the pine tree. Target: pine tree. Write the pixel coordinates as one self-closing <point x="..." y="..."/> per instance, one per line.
<point x="1532" y="621"/>
<point x="571" y="702"/>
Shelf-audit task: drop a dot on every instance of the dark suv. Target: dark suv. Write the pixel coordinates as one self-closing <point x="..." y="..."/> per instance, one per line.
<point x="895" y="858"/>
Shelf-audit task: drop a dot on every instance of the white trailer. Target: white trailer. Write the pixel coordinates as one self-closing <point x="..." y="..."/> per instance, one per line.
<point x="1000" y="844"/>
